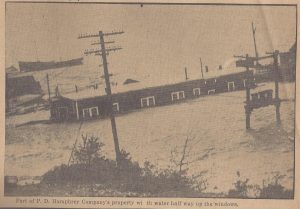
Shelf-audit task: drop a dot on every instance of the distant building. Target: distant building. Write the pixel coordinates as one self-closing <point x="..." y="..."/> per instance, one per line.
<point x="11" y="70"/>
<point x="78" y="106"/>
<point x="287" y="67"/>
<point x="21" y="90"/>
<point x="287" y="64"/>
<point x="21" y="85"/>
<point x="37" y="66"/>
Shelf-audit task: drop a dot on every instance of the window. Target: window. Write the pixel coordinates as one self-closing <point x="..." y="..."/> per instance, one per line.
<point x="196" y="91"/>
<point x="94" y="111"/>
<point x="151" y="101"/>
<point x="231" y="86"/>
<point x="90" y="112"/>
<point x="86" y="112"/>
<point x="148" y="101"/>
<point x="115" y="107"/>
<point x="177" y="95"/>
<point x="212" y="91"/>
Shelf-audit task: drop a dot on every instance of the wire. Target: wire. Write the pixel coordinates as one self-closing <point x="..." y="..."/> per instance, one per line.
<point x="78" y="132"/>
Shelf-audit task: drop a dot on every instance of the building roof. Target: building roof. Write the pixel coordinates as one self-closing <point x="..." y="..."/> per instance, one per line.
<point x="11" y="70"/>
<point x="142" y="84"/>
<point x="37" y="66"/>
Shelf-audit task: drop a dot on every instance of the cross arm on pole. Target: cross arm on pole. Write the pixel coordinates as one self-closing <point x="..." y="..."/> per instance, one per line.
<point x="101" y="51"/>
<point x="81" y="36"/>
<point x="113" y="33"/>
<point x="106" y="42"/>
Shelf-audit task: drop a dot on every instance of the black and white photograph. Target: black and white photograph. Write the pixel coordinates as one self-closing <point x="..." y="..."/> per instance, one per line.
<point x="150" y="100"/>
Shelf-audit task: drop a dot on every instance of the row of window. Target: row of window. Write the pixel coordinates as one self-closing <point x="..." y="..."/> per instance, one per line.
<point x="145" y="102"/>
<point x="150" y="101"/>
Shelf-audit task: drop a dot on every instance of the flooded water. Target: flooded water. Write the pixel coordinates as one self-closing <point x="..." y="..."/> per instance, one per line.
<point x="219" y="145"/>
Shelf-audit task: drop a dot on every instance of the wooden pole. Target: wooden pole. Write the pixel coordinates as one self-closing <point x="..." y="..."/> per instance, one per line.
<point x="47" y="77"/>
<point x="253" y="32"/>
<point x="276" y="80"/>
<point x="186" y="75"/>
<point x="6" y="95"/>
<point x="108" y="92"/>
<point x="247" y="107"/>
<point x="201" y="68"/>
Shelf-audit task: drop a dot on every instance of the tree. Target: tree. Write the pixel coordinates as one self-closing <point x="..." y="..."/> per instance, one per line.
<point x="89" y="151"/>
<point x="182" y="159"/>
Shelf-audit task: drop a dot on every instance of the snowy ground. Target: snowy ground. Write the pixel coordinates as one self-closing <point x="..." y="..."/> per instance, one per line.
<point x="221" y="145"/>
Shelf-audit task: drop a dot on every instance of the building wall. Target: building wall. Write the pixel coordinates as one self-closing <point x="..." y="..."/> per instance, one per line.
<point x="287" y="66"/>
<point x="131" y="100"/>
<point x="58" y="104"/>
<point x="102" y="103"/>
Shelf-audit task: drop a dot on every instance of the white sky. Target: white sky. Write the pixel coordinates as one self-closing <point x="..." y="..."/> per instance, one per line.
<point x="159" y="40"/>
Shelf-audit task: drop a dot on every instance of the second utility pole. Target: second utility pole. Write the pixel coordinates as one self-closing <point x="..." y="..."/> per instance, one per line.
<point x="201" y="68"/>
<point x="108" y="92"/>
<point x="48" y="86"/>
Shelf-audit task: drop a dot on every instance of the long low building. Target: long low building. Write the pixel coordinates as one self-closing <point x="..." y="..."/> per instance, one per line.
<point x="79" y="106"/>
<point x="37" y="66"/>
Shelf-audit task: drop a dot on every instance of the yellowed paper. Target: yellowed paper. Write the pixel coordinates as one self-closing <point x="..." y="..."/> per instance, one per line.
<point x="149" y="105"/>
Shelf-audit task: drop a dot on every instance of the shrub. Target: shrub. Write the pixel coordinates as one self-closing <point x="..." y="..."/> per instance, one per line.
<point x="92" y="167"/>
<point x="275" y="190"/>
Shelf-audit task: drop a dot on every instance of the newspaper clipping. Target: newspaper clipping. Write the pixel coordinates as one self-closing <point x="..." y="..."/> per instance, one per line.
<point x="149" y="104"/>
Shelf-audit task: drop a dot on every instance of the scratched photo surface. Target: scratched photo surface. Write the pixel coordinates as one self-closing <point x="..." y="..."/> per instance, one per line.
<point x="150" y="100"/>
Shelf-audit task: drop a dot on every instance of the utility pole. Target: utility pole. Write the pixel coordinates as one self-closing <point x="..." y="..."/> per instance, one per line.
<point x="201" y="68"/>
<point x="47" y="77"/>
<point x="186" y="75"/>
<point x="254" y="40"/>
<point x="262" y="98"/>
<point x="108" y="92"/>
<point x="247" y="62"/>
<point x="103" y="52"/>
<point x="6" y="95"/>
<point x="276" y="81"/>
<point x="247" y="110"/>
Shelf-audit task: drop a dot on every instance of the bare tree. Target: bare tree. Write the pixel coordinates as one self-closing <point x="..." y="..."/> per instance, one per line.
<point x="182" y="158"/>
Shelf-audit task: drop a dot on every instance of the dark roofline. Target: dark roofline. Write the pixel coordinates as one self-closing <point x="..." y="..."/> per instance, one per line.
<point x="156" y="87"/>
